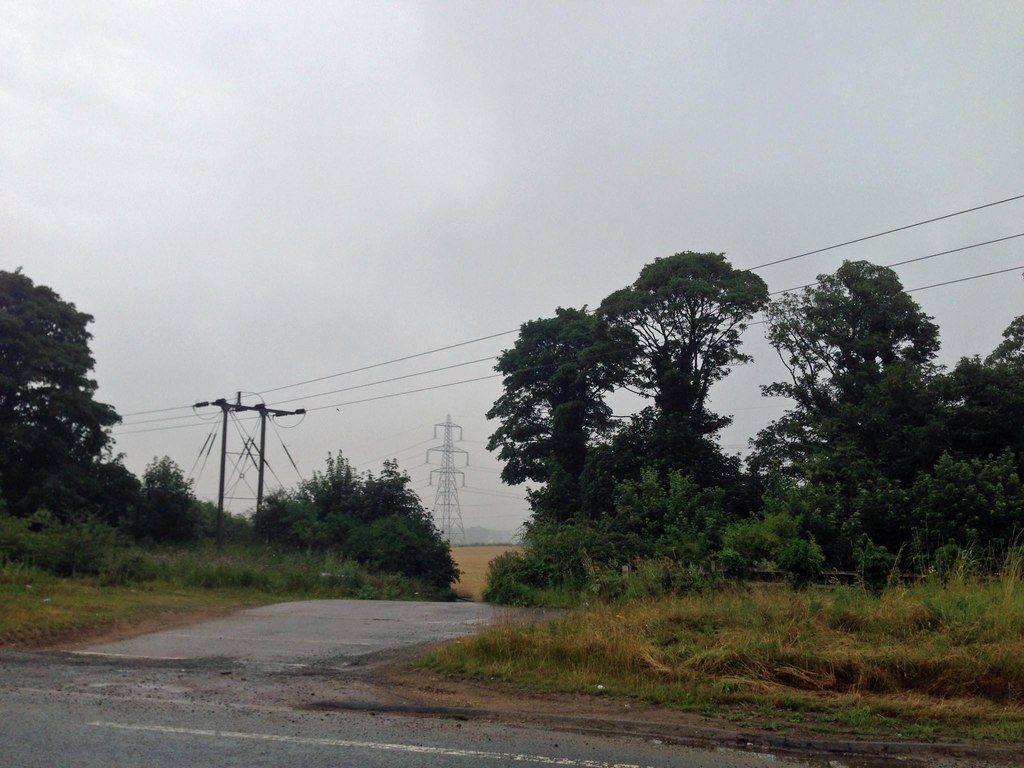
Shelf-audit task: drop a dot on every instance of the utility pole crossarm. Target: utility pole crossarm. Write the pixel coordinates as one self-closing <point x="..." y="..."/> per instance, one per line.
<point x="237" y="407"/>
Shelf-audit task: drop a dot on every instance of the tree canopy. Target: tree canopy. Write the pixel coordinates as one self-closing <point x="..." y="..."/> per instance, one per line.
<point x="686" y="313"/>
<point x="555" y="379"/>
<point x="1011" y="350"/>
<point x="838" y="337"/>
<point x="54" y="438"/>
<point x="167" y="509"/>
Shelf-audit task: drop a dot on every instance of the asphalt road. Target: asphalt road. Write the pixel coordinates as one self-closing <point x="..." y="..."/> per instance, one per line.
<point x="309" y="633"/>
<point x="42" y="730"/>
<point x="247" y="691"/>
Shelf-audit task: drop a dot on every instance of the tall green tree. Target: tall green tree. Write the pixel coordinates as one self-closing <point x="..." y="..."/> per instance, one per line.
<point x="982" y="402"/>
<point x="839" y="336"/>
<point x="552" y="408"/>
<point x="686" y="313"/>
<point x="1010" y="351"/>
<point x="54" y="435"/>
<point x="859" y="353"/>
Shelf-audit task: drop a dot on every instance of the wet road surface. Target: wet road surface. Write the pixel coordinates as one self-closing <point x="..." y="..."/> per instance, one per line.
<point x="297" y="684"/>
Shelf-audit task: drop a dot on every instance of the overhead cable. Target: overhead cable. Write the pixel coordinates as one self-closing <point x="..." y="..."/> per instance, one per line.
<point x="388" y="381"/>
<point x="911" y="261"/>
<point x="391" y="362"/>
<point x="887" y="232"/>
<point x="156" y="410"/>
<point x="933" y="285"/>
<point x="164" y="429"/>
<point x="965" y="279"/>
<point x="406" y="392"/>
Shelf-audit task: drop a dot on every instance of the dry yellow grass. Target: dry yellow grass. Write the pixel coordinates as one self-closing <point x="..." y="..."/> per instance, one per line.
<point x="929" y="661"/>
<point x="473" y="562"/>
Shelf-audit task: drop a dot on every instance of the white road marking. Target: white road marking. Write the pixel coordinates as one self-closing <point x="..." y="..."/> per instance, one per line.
<point x="128" y="656"/>
<point x="264" y="639"/>
<point x="380" y="746"/>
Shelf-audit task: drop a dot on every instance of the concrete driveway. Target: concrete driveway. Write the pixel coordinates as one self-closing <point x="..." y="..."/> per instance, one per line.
<point x="309" y="632"/>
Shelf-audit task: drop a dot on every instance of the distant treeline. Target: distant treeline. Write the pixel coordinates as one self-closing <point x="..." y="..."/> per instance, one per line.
<point x="67" y="502"/>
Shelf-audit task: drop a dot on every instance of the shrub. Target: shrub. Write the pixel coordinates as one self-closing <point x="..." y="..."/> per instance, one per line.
<point x="874" y="565"/>
<point x="970" y="503"/>
<point x="802" y="559"/>
<point x="84" y="547"/>
<point x="509" y="580"/>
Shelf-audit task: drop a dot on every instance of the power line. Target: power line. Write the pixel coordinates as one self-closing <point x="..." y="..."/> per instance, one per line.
<point x="406" y="392"/>
<point x="506" y="333"/>
<point x="965" y="279"/>
<point x="273" y="423"/>
<point x="887" y="232"/>
<point x="210" y="438"/>
<point x="388" y="381"/>
<point x="166" y="418"/>
<point x="927" y="287"/>
<point x="159" y="429"/>
<point x="499" y="375"/>
<point x="496" y="494"/>
<point x="395" y="454"/>
<point x="391" y="362"/>
<point x="156" y="410"/>
<point x="911" y="261"/>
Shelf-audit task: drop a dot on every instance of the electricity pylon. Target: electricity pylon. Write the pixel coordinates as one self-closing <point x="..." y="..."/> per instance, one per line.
<point x="447" y="514"/>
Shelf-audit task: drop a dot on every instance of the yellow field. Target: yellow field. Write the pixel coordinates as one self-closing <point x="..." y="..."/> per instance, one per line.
<point x="473" y="562"/>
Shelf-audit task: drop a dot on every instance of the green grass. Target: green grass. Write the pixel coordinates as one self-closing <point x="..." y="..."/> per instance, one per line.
<point x="929" y="661"/>
<point x="40" y="609"/>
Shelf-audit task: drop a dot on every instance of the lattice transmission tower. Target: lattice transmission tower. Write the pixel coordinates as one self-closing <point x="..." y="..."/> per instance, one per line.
<point x="447" y="514"/>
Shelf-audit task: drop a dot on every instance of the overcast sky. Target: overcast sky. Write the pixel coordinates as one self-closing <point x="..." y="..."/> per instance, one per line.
<point x="250" y="195"/>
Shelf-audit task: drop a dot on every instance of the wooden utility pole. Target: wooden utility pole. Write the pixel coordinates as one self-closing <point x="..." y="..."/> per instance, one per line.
<point x="237" y="406"/>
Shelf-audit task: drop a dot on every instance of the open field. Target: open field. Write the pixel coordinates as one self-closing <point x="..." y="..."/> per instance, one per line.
<point x="473" y="562"/>
<point x="931" y="661"/>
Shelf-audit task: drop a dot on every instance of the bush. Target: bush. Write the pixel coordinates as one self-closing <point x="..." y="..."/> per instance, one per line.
<point x="125" y="566"/>
<point x="676" y="519"/>
<point x="167" y="510"/>
<point x="85" y="547"/>
<point x="802" y="559"/>
<point x="405" y="545"/>
<point x="874" y="565"/>
<point x="758" y="543"/>
<point x="509" y="580"/>
<point x="975" y="502"/>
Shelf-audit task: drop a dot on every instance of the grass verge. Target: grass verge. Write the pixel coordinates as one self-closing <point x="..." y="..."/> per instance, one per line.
<point x="138" y="588"/>
<point x="930" y="661"/>
<point x="41" y="610"/>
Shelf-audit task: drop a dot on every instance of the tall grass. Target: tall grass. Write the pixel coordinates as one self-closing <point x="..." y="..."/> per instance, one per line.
<point x="940" y="656"/>
<point x="283" y="573"/>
